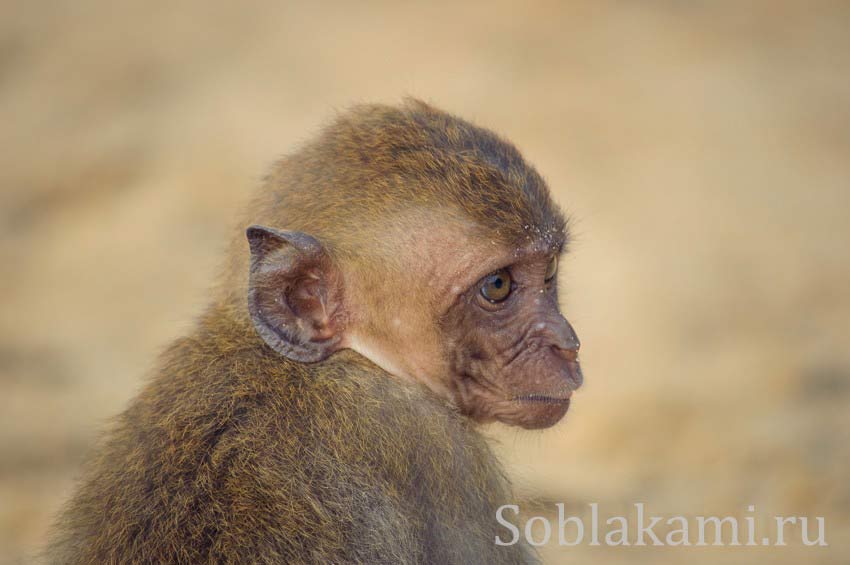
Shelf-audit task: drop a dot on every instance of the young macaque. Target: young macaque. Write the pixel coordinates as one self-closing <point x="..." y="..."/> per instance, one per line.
<point x="398" y="286"/>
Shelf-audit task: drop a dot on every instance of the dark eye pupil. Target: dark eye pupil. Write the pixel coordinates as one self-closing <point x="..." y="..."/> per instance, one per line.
<point x="497" y="282"/>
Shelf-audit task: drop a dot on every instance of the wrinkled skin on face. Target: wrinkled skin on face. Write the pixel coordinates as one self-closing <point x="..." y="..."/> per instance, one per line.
<point x="514" y="359"/>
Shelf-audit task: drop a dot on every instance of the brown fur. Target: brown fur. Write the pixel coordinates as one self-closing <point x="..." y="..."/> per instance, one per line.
<point x="233" y="453"/>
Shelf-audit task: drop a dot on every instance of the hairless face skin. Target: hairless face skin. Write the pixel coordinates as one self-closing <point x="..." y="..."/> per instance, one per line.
<point x="514" y="357"/>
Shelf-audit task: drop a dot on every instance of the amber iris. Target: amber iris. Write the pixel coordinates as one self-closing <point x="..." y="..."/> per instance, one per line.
<point x="496" y="286"/>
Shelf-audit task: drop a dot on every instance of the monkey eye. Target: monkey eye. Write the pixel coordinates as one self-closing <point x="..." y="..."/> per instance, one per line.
<point x="496" y="286"/>
<point x="551" y="269"/>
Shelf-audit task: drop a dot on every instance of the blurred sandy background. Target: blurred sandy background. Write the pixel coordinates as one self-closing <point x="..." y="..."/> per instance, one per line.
<point x="703" y="149"/>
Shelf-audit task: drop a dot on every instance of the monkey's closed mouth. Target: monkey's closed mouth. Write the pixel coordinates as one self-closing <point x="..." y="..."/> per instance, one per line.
<point x="541" y="398"/>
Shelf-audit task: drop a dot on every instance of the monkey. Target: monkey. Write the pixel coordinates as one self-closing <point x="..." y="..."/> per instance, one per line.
<point x="398" y="289"/>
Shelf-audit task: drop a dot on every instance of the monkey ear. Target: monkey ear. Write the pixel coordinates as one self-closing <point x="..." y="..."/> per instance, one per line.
<point x="294" y="294"/>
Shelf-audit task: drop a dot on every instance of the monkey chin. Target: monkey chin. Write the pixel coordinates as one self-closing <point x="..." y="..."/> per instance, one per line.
<point x="536" y="411"/>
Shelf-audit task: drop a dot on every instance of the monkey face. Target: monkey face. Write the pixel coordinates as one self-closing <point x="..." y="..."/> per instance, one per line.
<point x="499" y="350"/>
<point x="513" y="356"/>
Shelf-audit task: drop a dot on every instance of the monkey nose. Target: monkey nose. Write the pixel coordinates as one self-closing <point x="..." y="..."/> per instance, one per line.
<point x="566" y="340"/>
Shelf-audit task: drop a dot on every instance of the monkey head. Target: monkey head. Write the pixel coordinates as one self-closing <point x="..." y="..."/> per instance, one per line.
<point x="433" y="251"/>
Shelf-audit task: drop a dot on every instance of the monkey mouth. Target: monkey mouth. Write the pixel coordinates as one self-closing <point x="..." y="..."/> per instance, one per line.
<point x="542" y="399"/>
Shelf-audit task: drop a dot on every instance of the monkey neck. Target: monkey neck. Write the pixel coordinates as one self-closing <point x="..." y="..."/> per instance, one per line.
<point x="227" y="324"/>
<point x="225" y="333"/>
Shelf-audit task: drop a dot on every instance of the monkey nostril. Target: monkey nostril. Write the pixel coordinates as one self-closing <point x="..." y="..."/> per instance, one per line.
<point x="569" y="353"/>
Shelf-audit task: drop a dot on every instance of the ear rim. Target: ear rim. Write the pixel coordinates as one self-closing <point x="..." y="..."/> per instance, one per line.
<point x="258" y="235"/>
<point x="308" y="250"/>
